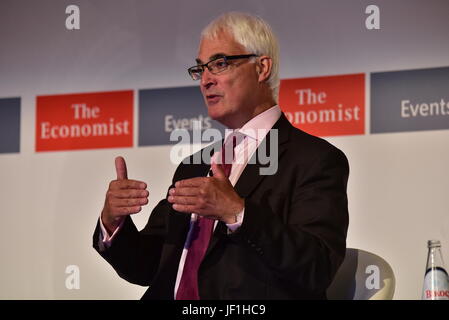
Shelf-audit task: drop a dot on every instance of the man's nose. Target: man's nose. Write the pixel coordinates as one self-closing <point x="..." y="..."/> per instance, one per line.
<point x="207" y="78"/>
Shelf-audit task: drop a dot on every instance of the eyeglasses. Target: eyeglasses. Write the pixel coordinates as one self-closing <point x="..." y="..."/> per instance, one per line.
<point x="216" y="65"/>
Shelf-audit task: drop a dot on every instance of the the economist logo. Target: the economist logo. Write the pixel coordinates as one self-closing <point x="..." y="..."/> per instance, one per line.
<point x="325" y="106"/>
<point x="84" y="121"/>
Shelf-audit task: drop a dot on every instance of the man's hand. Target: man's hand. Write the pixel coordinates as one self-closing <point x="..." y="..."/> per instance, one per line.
<point x="212" y="197"/>
<point x="124" y="197"/>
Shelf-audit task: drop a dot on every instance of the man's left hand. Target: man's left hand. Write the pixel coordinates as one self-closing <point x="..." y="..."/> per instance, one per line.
<point x="211" y="197"/>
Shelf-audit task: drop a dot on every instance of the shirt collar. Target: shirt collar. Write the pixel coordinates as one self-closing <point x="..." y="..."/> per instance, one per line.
<point x="257" y="127"/>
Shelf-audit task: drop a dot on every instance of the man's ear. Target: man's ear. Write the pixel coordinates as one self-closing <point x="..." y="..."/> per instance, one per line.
<point x="264" y="66"/>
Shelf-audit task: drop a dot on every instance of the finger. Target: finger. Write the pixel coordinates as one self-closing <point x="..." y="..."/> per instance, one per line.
<point x="129" y="194"/>
<point x="185" y="208"/>
<point x="218" y="172"/>
<point x="124" y="211"/>
<point x="199" y="211"/>
<point x="127" y="184"/>
<point x="120" y="168"/>
<point x="183" y="200"/>
<point x="118" y="203"/>
<point x="184" y="191"/>
<point x="194" y="182"/>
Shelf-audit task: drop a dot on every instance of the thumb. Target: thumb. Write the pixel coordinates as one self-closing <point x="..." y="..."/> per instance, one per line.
<point x="120" y="168"/>
<point x="217" y="171"/>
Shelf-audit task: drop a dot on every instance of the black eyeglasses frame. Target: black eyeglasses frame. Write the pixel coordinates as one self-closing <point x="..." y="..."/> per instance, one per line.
<point x="226" y="58"/>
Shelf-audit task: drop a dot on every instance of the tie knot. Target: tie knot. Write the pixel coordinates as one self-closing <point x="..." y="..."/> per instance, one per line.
<point x="228" y="148"/>
<point x="228" y="152"/>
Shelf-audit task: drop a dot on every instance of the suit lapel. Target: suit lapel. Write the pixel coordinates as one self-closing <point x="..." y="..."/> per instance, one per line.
<point x="180" y="222"/>
<point x="251" y="176"/>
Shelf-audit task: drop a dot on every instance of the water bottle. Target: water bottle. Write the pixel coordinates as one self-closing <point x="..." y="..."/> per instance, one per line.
<point x="436" y="280"/>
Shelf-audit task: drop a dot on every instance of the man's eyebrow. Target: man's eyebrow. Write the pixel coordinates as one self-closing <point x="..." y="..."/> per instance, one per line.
<point x="215" y="56"/>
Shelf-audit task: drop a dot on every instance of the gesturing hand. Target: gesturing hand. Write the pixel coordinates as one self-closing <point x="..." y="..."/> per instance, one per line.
<point x="212" y="197"/>
<point x="124" y="197"/>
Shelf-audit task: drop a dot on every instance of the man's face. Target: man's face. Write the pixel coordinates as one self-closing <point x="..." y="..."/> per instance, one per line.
<point x="230" y="96"/>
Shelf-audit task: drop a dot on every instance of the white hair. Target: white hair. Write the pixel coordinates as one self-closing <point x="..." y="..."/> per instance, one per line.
<point x="254" y="34"/>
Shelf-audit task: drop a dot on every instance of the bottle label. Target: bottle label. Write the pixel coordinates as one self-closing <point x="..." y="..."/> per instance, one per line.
<point x="436" y="285"/>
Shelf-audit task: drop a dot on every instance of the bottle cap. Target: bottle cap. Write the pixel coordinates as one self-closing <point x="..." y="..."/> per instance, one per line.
<point x="433" y="243"/>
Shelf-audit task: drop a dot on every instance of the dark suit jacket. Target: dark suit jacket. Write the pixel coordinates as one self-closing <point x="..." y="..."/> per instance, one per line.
<point x="289" y="246"/>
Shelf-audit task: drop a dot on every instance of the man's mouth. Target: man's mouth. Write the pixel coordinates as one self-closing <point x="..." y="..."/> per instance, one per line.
<point x="212" y="98"/>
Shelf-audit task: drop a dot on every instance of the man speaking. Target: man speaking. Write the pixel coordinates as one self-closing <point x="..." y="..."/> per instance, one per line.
<point x="226" y="231"/>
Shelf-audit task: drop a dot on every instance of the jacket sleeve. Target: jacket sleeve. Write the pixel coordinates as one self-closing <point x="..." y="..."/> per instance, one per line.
<point x="135" y="255"/>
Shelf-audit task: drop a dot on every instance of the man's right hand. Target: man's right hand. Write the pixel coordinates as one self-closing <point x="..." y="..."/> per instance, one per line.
<point x="124" y="197"/>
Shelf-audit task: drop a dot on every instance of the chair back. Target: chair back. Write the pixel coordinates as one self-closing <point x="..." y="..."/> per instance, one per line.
<point x="362" y="276"/>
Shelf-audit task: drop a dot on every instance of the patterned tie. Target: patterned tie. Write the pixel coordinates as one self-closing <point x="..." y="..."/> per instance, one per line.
<point x="197" y="243"/>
